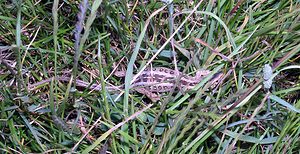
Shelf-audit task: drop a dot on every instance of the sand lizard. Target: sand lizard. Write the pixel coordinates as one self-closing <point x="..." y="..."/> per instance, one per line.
<point x="150" y="82"/>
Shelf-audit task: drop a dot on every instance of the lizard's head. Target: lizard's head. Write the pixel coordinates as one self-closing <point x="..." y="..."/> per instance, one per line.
<point x="202" y="73"/>
<point x="120" y="73"/>
<point x="216" y="79"/>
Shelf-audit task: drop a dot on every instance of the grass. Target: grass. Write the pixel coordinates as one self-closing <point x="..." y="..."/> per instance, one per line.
<point x="87" y="40"/>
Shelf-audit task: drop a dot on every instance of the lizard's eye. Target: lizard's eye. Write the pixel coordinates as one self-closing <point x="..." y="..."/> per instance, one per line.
<point x="192" y="84"/>
<point x="120" y="73"/>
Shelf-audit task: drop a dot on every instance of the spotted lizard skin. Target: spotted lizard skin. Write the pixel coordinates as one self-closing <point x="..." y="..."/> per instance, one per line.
<point x="150" y="82"/>
<point x="160" y="79"/>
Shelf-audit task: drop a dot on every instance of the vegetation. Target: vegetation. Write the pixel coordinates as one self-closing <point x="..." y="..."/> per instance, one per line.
<point x="253" y="109"/>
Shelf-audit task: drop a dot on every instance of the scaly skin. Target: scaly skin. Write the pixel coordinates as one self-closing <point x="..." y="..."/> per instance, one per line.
<point x="150" y="82"/>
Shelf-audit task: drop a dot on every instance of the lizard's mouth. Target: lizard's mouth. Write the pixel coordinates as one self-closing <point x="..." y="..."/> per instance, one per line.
<point x="216" y="79"/>
<point x="216" y="76"/>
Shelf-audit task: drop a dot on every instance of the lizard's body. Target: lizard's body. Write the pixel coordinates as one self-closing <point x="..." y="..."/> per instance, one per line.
<point x="150" y="82"/>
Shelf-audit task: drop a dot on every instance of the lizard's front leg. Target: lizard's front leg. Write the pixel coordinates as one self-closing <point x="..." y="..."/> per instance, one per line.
<point x="152" y="96"/>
